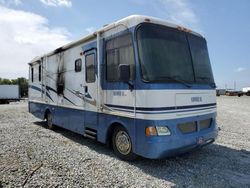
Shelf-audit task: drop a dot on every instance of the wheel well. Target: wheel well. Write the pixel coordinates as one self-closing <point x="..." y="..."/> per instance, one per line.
<point x="47" y="111"/>
<point x="110" y="132"/>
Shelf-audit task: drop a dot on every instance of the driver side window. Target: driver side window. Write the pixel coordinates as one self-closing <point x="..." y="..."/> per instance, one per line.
<point x="119" y="50"/>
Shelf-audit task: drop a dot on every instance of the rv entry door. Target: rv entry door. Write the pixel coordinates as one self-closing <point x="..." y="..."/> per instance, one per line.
<point x="90" y="89"/>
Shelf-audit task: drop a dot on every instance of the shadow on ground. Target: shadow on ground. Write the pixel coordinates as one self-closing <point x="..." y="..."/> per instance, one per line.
<point x="212" y="166"/>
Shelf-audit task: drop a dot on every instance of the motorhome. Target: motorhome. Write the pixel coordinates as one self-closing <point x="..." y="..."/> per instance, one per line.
<point x="141" y="84"/>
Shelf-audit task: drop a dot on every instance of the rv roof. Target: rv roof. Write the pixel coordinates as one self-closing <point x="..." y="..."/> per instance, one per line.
<point x="129" y="21"/>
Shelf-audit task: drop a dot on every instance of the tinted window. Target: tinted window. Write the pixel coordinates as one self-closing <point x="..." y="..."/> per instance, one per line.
<point x="202" y="66"/>
<point x="32" y="74"/>
<point x="164" y="54"/>
<point x="90" y="68"/>
<point x="119" y="51"/>
<point x="40" y="73"/>
<point x="78" y="65"/>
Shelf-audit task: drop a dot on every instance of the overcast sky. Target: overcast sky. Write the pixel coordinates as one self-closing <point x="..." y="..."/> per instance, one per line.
<point x="30" y="28"/>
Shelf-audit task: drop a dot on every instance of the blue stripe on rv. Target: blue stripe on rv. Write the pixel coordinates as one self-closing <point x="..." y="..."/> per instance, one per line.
<point x="165" y="112"/>
<point x="161" y="108"/>
<point x="40" y="90"/>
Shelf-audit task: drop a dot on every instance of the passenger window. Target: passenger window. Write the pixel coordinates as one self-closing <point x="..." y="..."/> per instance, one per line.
<point x="32" y="74"/>
<point x="90" y="68"/>
<point x="119" y="51"/>
<point x="40" y="73"/>
<point x="78" y="65"/>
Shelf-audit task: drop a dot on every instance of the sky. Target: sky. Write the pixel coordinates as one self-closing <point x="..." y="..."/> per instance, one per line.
<point x="30" y="28"/>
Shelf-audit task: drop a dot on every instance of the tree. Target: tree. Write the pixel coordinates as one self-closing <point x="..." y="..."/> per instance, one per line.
<point x="6" y="81"/>
<point x="23" y="83"/>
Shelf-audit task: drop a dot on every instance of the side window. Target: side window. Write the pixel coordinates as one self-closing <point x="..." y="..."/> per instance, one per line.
<point x="32" y="74"/>
<point x="40" y="73"/>
<point x="119" y="50"/>
<point x="90" y="68"/>
<point x="78" y="65"/>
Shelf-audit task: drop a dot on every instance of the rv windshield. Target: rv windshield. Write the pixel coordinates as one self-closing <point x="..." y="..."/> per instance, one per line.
<point x="170" y="55"/>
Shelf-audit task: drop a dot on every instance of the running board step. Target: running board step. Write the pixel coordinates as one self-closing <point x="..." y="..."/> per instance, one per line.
<point x="90" y="133"/>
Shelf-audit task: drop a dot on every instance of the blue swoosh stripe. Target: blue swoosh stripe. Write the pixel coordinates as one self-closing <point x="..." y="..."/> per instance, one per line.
<point x="52" y="89"/>
<point x="40" y="90"/>
<point x="160" y="108"/>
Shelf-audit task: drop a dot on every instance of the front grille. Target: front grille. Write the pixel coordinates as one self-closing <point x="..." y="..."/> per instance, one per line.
<point x="205" y="124"/>
<point x="188" y="127"/>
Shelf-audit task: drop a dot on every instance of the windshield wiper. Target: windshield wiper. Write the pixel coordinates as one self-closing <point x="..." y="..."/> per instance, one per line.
<point x="208" y="79"/>
<point x="203" y="77"/>
<point x="173" y="78"/>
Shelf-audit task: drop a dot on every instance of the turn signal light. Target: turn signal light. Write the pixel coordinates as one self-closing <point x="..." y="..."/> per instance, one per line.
<point x="158" y="131"/>
<point x="151" y="131"/>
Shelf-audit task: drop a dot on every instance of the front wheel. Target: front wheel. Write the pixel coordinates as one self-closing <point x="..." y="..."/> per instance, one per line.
<point x="122" y="144"/>
<point x="49" y="121"/>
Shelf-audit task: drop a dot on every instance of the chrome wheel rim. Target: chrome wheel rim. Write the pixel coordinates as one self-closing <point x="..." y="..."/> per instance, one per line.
<point x="123" y="143"/>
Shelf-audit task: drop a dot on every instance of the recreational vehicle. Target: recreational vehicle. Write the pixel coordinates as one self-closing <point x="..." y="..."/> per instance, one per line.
<point x="141" y="84"/>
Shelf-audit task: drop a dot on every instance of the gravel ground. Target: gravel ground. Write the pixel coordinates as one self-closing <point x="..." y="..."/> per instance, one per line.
<point x="33" y="156"/>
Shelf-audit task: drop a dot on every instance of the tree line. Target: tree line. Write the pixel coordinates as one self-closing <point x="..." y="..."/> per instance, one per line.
<point x="22" y="82"/>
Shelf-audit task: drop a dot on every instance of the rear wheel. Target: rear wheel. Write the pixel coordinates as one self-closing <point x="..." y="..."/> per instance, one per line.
<point x="49" y="121"/>
<point x="122" y="144"/>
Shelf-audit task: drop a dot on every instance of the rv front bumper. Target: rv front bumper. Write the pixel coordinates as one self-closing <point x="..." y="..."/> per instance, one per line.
<point x="162" y="147"/>
<point x="156" y="147"/>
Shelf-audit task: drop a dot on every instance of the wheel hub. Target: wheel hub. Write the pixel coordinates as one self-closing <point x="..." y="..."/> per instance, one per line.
<point x="123" y="142"/>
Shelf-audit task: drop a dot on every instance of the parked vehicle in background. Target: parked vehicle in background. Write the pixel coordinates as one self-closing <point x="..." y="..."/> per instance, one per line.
<point x="9" y="93"/>
<point x="232" y="92"/>
<point x="220" y="92"/>
<point x="246" y="91"/>
<point x="141" y="84"/>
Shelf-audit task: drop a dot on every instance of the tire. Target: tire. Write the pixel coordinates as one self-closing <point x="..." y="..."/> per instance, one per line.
<point x="122" y="144"/>
<point x="49" y="121"/>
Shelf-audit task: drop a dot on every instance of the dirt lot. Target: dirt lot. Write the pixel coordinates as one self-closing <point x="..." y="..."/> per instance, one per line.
<point x="33" y="156"/>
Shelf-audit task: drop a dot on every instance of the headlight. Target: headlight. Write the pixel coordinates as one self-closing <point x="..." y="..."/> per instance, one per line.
<point x="158" y="130"/>
<point x="163" y="131"/>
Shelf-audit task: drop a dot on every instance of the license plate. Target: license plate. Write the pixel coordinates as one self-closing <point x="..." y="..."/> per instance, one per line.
<point x="200" y="140"/>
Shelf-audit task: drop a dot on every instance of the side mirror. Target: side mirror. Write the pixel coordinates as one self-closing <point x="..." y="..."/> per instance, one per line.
<point x="124" y="72"/>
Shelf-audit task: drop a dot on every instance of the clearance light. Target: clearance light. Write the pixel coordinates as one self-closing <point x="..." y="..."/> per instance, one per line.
<point x="151" y="131"/>
<point x="184" y="29"/>
<point x="147" y="20"/>
<point x="158" y="131"/>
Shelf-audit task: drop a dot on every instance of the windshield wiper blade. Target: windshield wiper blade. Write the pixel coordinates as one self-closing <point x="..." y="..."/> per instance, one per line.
<point x="174" y="79"/>
<point x="213" y="85"/>
<point x="203" y="77"/>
